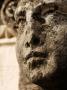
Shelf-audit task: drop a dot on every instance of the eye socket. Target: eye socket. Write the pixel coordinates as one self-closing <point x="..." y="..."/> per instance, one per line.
<point x="20" y="16"/>
<point x="42" y="10"/>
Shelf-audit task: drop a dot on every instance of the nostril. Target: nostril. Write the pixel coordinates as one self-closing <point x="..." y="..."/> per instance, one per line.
<point x="35" y="40"/>
<point x="27" y="44"/>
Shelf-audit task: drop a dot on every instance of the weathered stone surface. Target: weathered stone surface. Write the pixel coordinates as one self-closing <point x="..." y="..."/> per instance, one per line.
<point x="41" y="42"/>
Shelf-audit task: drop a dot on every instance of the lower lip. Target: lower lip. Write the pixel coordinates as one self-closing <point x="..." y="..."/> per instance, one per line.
<point x="36" y="59"/>
<point x="36" y="62"/>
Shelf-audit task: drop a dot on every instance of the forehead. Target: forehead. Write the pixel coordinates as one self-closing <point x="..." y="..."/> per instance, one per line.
<point x="46" y="1"/>
<point x="34" y="3"/>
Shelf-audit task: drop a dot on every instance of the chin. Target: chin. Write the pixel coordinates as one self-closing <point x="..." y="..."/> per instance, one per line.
<point x="40" y="72"/>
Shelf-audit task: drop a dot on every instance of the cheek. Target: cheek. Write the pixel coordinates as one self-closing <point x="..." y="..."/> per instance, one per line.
<point x="19" y="48"/>
<point x="55" y="37"/>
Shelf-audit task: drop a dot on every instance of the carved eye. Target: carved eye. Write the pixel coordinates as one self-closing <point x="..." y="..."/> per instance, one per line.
<point x="36" y="15"/>
<point x="20" y="15"/>
<point x="43" y="10"/>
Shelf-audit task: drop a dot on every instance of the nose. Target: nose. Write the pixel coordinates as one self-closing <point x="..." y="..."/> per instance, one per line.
<point x="33" y="22"/>
<point x="34" y="41"/>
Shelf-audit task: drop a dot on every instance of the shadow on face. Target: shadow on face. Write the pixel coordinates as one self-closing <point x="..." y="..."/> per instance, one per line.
<point x="41" y="39"/>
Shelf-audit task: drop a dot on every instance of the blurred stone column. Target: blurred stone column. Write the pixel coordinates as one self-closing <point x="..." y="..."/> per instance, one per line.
<point x="8" y="62"/>
<point x="8" y="65"/>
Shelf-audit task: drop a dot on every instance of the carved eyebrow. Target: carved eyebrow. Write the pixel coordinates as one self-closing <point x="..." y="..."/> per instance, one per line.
<point x="42" y="10"/>
<point x="49" y="8"/>
<point x="45" y="8"/>
<point x="60" y="8"/>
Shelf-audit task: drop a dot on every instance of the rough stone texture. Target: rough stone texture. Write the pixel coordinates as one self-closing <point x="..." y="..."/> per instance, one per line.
<point x="41" y="42"/>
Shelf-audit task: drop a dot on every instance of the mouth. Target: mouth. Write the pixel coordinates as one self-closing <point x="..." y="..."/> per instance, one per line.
<point x="37" y="54"/>
<point x="36" y="59"/>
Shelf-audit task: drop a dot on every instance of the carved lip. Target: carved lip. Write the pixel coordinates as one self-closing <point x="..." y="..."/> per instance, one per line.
<point x="36" y="62"/>
<point x="37" y="55"/>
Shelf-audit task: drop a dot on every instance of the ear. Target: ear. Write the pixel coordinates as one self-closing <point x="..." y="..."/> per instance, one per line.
<point x="7" y="11"/>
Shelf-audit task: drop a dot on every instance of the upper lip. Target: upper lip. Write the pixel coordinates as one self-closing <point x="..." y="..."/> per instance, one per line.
<point x="37" y="54"/>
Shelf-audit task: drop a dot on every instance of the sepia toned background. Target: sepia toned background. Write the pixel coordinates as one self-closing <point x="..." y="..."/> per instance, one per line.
<point x="8" y="62"/>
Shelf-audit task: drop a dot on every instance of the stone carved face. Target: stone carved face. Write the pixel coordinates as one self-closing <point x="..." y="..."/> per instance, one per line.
<point x="42" y="37"/>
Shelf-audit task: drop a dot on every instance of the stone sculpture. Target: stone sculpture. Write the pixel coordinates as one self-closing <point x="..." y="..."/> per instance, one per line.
<point x="41" y="42"/>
